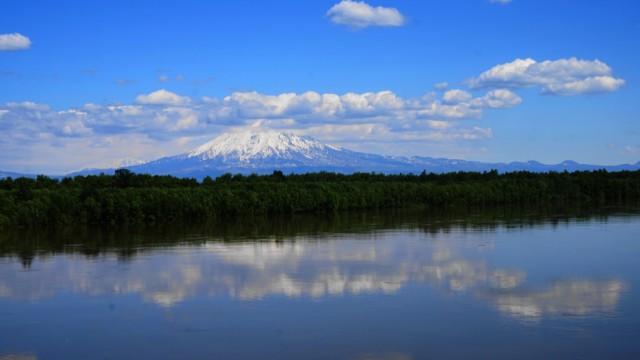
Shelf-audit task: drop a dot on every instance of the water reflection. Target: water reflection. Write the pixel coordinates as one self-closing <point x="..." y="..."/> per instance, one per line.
<point x="18" y="357"/>
<point x="566" y="297"/>
<point x="389" y="356"/>
<point x="128" y="242"/>
<point x="380" y="255"/>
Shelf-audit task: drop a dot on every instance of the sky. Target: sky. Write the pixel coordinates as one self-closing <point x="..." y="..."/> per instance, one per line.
<point x="90" y="83"/>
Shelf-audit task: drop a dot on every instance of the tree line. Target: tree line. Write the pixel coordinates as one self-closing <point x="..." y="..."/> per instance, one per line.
<point x="127" y="242"/>
<point x="129" y="198"/>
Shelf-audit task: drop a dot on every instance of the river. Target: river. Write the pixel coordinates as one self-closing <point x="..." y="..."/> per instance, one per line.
<point x="476" y="283"/>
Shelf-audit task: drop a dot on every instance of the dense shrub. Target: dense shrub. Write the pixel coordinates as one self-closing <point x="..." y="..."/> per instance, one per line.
<point x="140" y="198"/>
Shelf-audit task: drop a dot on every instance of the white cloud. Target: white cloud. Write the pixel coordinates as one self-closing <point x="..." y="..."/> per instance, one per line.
<point x="310" y="105"/>
<point x="379" y="107"/>
<point x="558" y="77"/>
<point x="438" y="110"/>
<point x="477" y="133"/>
<point x="15" y="41"/>
<point x="127" y="110"/>
<point x="513" y="74"/>
<point x="456" y="96"/>
<point x="441" y="85"/>
<point x="75" y="128"/>
<point x="590" y="85"/>
<point x="28" y="105"/>
<point x="439" y="125"/>
<point x="160" y="118"/>
<point x="371" y="102"/>
<point x="499" y="99"/>
<point x="184" y="118"/>
<point x="359" y="15"/>
<point x="91" y="106"/>
<point x="162" y="112"/>
<point x="427" y="140"/>
<point x="163" y="78"/>
<point x="162" y="97"/>
<point x="501" y="2"/>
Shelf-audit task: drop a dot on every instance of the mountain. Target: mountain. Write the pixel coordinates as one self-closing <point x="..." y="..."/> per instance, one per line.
<point x="13" y="175"/>
<point x="118" y="163"/>
<point x="266" y="151"/>
<point x="262" y="152"/>
<point x="270" y="148"/>
<point x="110" y="166"/>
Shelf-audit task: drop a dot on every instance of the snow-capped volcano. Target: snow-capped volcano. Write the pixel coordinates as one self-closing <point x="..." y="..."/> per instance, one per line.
<point x="262" y="152"/>
<point x="256" y="151"/>
<point x="247" y="146"/>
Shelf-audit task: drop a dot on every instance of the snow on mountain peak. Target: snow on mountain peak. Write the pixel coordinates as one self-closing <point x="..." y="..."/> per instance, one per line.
<point x="115" y="163"/>
<point x="125" y="162"/>
<point x="244" y="146"/>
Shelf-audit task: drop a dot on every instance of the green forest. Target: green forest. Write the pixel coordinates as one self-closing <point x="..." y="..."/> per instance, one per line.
<point x="129" y="198"/>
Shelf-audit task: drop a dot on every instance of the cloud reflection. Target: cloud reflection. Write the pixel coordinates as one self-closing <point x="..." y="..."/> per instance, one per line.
<point x="567" y="297"/>
<point x="315" y="267"/>
<point x="18" y="357"/>
<point x="387" y="356"/>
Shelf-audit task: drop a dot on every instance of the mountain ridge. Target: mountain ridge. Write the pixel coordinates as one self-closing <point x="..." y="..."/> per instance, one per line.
<point x="264" y="151"/>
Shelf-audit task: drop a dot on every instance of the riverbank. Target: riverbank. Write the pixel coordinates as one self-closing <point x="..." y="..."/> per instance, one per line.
<point x="128" y="198"/>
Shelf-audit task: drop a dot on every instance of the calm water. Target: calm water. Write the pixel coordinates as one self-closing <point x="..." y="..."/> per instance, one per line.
<point x="479" y="284"/>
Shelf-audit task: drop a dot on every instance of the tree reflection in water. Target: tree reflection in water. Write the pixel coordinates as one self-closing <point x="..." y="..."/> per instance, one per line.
<point x="310" y="256"/>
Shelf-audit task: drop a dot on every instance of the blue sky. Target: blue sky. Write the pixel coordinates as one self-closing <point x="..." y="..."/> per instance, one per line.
<point x="88" y="83"/>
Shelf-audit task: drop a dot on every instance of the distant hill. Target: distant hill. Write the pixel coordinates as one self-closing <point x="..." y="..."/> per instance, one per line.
<point x="6" y="174"/>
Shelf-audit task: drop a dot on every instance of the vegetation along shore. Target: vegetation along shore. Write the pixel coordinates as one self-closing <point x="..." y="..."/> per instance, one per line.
<point x="129" y="198"/>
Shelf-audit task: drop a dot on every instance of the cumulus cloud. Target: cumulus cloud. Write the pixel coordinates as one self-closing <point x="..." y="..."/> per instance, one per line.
<point x="355" y="120"/>
<point x="75" y="128"/>
<point x="359" y="15"/>
<point x="499" y="99"/>
<point x="383" y="106"/>
<point x="15" y="41"/>
<point x="28" y="105"/>
<point x="558" y="77"/>
<point x="162" y="97"/>
<point x="591" y="85"/>
<point x="33" y="136"/>
<point x="477" y="132"/>
<point x="456" y="96"/>
<point x="311" y="105"/>
<point x="441" y="111"/>
<point x="164" y="112"/>
<point x="460" y="105"/>
<point x="439" y="125"/>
